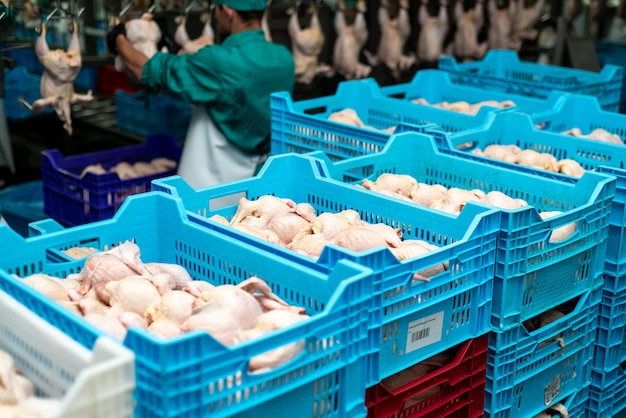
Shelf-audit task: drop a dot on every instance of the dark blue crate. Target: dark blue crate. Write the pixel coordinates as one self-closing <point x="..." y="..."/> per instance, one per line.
<point x="75" y="200"/>
<point x="145" y="115"/>
<point x="613" y="53"/>
<point x="186" y="376"/>
<point x="502" y="70"/>
<point x="519" y="129"/>
<point x="453" y="307"/>
<point x="87" y="79"/>
<point x="20" y="83"/>
<point x="532" y="274"/>
<point x="524" y="376"/>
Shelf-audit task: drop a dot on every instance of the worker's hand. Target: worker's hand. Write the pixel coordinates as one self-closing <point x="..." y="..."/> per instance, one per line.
<point x="112" y="35"/>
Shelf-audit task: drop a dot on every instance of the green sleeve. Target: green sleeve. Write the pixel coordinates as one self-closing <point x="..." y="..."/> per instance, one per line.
<point x="189" y="77"/>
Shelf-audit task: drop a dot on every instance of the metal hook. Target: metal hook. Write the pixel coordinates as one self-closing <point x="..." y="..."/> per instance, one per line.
<point x="190" y="6"/>
<point x="52" y="13"/>
<point x="126" y="8"/>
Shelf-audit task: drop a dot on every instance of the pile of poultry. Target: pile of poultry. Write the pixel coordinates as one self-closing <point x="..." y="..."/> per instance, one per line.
<point x="531" y="158"/>
<point x="115" y="290"/>
<point x="598" y="134"/>
<point x="17" y="393"/>
<point x="126" y="170"/>
<point x="297" y="227"/>
<point x="465" y="107"/>
<point x="454" y="199"/>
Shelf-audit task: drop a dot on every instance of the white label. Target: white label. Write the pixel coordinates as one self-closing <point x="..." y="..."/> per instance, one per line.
<point x="552" y="391"/>
<point x="424" y="331"/>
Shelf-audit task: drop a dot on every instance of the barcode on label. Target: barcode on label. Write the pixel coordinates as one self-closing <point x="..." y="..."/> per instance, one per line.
<point x="424" y="331"/>
<point x="421" y="334"/>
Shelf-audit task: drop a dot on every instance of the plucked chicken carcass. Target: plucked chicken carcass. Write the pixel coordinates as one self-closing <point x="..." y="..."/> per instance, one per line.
<point x="598" y="134"/>
<point x="350" y="117"/>
<point x="17" y="393"/>
<point x="543" y="320"/>
<point x="524" y="18"/>
<point x="306" y="45"/>
<point x="465" y="46"/>
<point x="57" y="80"/>
<point x="433" y="30"/>
<point x="501" y="26"/>
<point x="191" y="46"/>
<point x="126" y="170"/>
<point x="350" y="41"/>
<point x="531" y="158"/>
<point x="143" y="34"/>
<point x="466" y="107"/>
<point x="394" y="34"/>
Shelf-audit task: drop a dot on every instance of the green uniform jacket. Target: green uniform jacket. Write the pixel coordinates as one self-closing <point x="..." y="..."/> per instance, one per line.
<point x="232" y="80"/>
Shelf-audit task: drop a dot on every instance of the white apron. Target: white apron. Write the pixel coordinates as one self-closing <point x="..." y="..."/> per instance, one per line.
<point x="208" y="158"/>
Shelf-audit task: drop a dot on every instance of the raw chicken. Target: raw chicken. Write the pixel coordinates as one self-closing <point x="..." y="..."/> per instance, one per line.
<point x="350" y="41"/>
<point x="597" y="134"/>
<point x="427" y="194"/>
<point x="306" y="46"/>
<point x="465" y="46"/>
<point x="266" y="323"/>
<point x="433" y="30"/>
<point x="143" y="34"/>
<point x="189" y="46"/>
<point x="543" y="320"/>
<point x="465" y="107"/>
<point x="227" y="311"/>
<point x="500" y="27"/>
<point x="563" y="232"/>
<point x="124" y="170"/>
<point x="506" y="153"/>
<point x="413" y="248"/>
<point x="532" y="158"/>
<point x="167" y="314"/>
<point x="265" y="206"/>
<point x="107" y="323"/>
<point x="93" y="168"/>
<point x="558" y="408"/>
<point x="503" y="201"/>
<point x="50" y="286"/>
<point x="349" y="116"/>
<point x="398" y="183"/>
<point x="524" y="18"/>
<point x="265" y="25"/>
<point x="79" y="252"/>
<point x="114" y="264"/>
<point x="177" y="272"/>
<point x="394" y="34"/>
<point x="570" y="167"/>
<point x="57" y="80"/>
<point x="131" y="294"/>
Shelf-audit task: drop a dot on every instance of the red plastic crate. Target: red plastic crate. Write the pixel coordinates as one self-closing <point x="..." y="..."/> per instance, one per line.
<point x="109" y="80"/>
<point x="461" y="388"/>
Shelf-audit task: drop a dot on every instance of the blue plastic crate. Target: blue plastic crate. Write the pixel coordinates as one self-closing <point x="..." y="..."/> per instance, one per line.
<point x="453" y="307"/>
<point x="518" y="129"/>
<point x="188" y="375"/>
<point x="610" y="346"/>
<point x="532" y="274"/>
<point x="145" y="115"/>
<point x="20" y="83"/>
<point x="74" y="200"/>
<point x="435" y="86"/>
<point x="524" y="376"/>
<point x="502" y="70"/>
<point x="613" y="53"/>
<point x="608" y="392"/>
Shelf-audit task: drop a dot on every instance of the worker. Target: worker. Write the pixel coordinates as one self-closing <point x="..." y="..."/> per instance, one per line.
<point x="229" y="87"/>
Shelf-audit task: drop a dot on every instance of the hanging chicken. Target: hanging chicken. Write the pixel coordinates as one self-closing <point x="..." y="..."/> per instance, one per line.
<point x="350" y="41"/>
<point x="306" y="45"/>
<point x="524" y="18"/>
<point x="500" y="27"/>
<point x="433" y="30"/>
<point x="57" y="80"/>
<point x="465" y="46"/>
<point x="191" y="46"/>
<point x="264" y="22"/>
<point x="143" y="34"/>
<point x="394" y="34"/>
